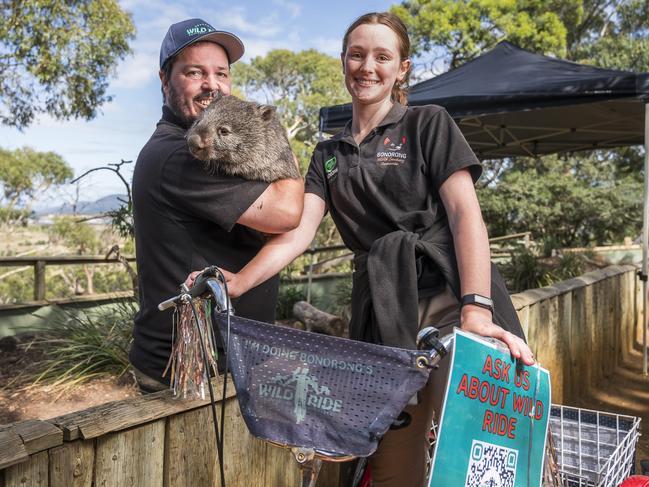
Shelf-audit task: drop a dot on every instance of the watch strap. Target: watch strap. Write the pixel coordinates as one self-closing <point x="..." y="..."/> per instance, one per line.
<point x="477" y="300"/>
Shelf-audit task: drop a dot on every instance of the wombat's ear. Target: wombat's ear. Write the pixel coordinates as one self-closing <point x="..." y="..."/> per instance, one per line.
<point x="267" y="112"/>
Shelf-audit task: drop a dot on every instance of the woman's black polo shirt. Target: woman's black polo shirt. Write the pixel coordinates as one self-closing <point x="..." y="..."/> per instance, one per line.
<point x="391" y="180"/>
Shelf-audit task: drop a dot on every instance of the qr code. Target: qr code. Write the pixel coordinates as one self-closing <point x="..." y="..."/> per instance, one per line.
<point x="491" y="465"/>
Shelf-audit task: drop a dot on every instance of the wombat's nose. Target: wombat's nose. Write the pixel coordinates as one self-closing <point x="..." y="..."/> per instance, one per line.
<point x="196" y="142"/>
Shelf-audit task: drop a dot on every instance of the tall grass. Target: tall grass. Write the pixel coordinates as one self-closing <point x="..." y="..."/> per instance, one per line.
<point x="82" y="345"/>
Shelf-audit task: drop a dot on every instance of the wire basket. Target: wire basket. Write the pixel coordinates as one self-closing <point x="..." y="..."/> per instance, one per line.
<point x="593" y="448"/>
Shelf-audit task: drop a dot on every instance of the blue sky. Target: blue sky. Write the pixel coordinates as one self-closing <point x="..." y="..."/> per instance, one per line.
<point x="125" y="124"/>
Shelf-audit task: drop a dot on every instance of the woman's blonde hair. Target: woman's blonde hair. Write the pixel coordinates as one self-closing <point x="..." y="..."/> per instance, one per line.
<point x="399" y="90"/>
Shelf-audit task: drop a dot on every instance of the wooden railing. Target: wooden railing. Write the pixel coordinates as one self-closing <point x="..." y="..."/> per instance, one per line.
<point x="40" y="263"/>
<point x="147" y="441"/>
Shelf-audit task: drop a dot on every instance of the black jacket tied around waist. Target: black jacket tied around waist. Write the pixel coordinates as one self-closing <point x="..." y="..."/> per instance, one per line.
<point x="399" y="269"/>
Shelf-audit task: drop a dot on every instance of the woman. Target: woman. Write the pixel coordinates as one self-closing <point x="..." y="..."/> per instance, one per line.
<point x="399" y="185"/>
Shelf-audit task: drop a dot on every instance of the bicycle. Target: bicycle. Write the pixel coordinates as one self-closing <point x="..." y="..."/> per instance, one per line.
<point x="282" y="409"/>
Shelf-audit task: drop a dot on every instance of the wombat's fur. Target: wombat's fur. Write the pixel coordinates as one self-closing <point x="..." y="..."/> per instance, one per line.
<point x="242" y="139"/>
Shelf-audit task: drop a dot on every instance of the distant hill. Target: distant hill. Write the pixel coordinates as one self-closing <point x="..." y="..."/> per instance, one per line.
<point x="102" y="205"/>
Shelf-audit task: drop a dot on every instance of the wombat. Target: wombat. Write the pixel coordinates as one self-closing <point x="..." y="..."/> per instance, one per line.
<point x="241" y="138"/>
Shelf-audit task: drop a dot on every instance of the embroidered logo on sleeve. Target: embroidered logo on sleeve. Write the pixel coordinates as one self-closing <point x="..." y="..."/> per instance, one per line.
<point x="392" y="153"/>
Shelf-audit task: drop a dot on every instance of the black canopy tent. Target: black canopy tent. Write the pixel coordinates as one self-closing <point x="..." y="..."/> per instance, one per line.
<point x="512" y="102"/>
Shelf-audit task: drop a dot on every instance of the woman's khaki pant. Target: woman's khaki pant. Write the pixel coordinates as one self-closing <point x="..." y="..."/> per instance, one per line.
<point x="400" y="459"/>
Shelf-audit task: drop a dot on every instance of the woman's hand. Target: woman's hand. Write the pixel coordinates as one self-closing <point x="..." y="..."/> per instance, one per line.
<point x="191" y="278"/>
<point x="236" y="286"/>
<point x="479" y="321"/>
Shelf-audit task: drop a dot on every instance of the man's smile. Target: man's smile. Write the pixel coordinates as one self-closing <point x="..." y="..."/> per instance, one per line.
<point x="204" y="100"/>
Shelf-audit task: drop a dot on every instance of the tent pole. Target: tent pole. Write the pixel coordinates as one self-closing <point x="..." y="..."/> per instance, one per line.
<point x="645" y="241"/>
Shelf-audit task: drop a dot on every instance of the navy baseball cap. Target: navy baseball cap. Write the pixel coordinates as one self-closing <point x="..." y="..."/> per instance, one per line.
<point x="182" y="34"/>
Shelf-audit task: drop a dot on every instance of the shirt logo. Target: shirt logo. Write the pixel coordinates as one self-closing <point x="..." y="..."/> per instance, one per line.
<point x="331" y="167"/>
<point x="302" y="389"/>
<point x="391" y="146"/>
<point x="392" y="153"/>
<point x="330" y="164"/>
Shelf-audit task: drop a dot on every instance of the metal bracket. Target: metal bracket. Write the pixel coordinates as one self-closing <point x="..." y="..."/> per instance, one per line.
<point x="309" y="465"/>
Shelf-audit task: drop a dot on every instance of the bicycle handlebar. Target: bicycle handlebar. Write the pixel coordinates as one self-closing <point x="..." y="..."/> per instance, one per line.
<point x="208" y="282"/>
<point x="437" y="348"/>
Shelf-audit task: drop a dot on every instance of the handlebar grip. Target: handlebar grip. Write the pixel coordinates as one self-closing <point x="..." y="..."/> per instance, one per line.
<point x="199" y="288"/>
<point x="168" y="303"/>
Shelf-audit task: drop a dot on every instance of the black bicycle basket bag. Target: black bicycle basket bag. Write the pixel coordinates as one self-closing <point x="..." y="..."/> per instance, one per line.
<point x="316" y="391"/>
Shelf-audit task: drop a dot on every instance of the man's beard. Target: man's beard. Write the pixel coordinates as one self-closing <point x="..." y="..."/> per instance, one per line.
<point x="176" y="103"/>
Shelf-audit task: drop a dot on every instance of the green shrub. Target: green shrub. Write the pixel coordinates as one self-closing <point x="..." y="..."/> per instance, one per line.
<point x="570" y="265"/>
<point x="287" y="297"/>
<point x="81" y="345"/>
<point x="343" y="296"/>
<point x="526" y="271"/>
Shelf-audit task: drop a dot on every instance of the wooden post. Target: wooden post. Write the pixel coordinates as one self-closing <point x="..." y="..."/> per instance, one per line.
<point x="39" y="280"/>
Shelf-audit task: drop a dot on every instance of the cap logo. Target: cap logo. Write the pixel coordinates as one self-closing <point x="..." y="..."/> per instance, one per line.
<point x="199" y="29"/>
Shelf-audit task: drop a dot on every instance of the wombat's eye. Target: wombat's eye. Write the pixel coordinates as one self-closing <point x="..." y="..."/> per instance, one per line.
<point x="223" y="131"/>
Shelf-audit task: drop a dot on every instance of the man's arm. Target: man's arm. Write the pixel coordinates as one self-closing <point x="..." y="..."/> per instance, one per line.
<point x="278" y="209"/>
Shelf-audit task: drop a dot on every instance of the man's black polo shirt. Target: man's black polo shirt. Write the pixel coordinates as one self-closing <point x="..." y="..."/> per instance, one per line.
<point x="185" y="220"/>
<point x="391" y="181"/>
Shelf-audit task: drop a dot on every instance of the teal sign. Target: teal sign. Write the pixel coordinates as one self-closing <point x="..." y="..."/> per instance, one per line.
<point x="495" y="419"/>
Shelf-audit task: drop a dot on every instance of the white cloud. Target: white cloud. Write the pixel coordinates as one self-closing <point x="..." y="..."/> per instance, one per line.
<point x="261" y="47"/>
<point x="137" y="70"/>
<point x="328" y="45"/>
<point x="293" y="8"/>
<point x="235" y="18"/>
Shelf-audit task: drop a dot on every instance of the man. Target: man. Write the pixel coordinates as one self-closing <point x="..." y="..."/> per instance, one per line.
<point x="185" y="218"/>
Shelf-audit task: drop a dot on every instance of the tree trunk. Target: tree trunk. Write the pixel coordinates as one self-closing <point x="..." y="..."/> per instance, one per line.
<point x="319" y="321"/>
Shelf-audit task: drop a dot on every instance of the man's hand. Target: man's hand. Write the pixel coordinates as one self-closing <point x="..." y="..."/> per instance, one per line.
<point x="478" y="320"/>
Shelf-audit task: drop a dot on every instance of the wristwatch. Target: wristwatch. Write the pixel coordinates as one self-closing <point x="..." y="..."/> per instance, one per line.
<point x="478" y="300"/>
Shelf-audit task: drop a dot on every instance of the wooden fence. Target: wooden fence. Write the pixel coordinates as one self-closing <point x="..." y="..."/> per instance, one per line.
<point x="40" y="263"/>
<point x="579" y="329"/>
<point x="152" y="440"/>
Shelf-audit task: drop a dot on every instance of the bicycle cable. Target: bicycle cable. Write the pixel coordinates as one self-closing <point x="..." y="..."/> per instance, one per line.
<point x="219" y="435"/>
<point x="218" y="290"/>
<point x="226" y="350"/>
